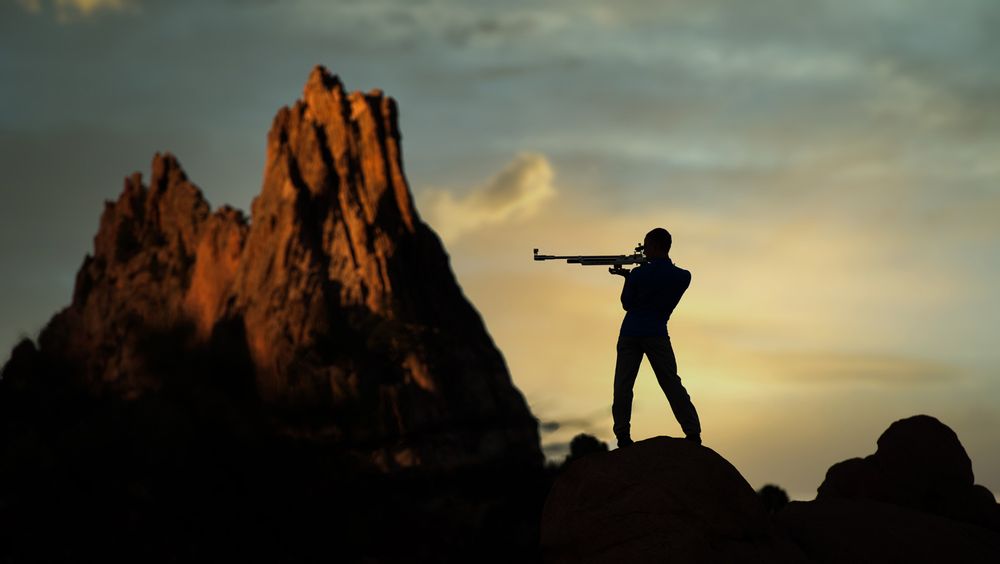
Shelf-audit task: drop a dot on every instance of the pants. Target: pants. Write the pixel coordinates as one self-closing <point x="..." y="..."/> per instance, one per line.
<point x="661" y="358"/>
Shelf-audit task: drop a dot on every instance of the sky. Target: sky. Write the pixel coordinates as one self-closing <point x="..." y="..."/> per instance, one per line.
<point x="829" y="170"/>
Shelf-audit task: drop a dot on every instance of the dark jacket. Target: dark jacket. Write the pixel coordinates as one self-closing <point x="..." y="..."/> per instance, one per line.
<point x="651" y="292"/>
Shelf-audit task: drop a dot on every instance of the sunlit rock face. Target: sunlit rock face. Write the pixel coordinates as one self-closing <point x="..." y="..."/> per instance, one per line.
<point x="333" y="309"/>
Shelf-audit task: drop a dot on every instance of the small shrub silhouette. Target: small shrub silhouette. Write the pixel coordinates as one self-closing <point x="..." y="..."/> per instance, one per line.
<point x="774" y="498"/>
<point x="584" y="444"/>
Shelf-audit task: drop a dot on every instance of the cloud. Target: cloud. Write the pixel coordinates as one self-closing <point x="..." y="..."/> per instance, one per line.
<point x="66" y="10"/>
<point x="515" y="193"/>
<point x="33" y="6"/>
<point x="87" y="7"/>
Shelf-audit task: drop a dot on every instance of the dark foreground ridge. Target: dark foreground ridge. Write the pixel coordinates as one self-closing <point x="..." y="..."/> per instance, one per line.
<point x="668" y="500"/>
<point x="306" y="383"/>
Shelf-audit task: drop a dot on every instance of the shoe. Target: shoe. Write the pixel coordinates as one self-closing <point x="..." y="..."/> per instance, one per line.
<point x="696" y="439"/>
<point x="622" y="443"/>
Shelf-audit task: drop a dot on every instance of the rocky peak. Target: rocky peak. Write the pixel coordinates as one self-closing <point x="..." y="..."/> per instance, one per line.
<point x="342" y="301"/>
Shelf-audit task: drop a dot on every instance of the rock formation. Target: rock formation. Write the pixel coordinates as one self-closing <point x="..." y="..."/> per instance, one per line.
<point x="334" y="307"/>
<point x="307" y="384"/>
<point x="919" y="464"/>
<point x="913" y="500"/>
<point x="659" y="500"/>
<point x="668" y="500"/>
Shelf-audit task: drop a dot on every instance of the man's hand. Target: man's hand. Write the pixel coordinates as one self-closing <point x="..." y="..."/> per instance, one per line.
<point x="623" y="272"/>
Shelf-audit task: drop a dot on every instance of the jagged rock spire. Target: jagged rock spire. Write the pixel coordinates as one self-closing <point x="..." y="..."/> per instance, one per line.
<point x="338" y="295"/>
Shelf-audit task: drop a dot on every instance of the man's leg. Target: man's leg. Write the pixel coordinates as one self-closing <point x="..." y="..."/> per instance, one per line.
<point x="626" y="369"/>
<point x="661" y="358"/>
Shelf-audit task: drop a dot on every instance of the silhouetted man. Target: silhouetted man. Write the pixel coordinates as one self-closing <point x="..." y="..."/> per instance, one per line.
<point x="650" y="294"/>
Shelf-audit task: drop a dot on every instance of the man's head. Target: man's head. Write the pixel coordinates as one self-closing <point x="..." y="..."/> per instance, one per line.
<point x="657" y="243"/>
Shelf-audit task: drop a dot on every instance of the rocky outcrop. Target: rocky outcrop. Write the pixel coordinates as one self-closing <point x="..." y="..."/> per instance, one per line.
<point x="668" y="500"/>
<point x="919" y="464"/>
<point x="332" y="310"/>
<point x="307" y="384"/>
<point x="913" y="500"/>
<point x="659" y="500"/>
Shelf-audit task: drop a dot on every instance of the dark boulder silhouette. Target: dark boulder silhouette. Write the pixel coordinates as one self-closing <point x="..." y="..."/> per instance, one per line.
<point x="669" y="500"/>
<point x="919" y="464"/>
<point x="913" y="500"/>
<point x="659" y="500"/>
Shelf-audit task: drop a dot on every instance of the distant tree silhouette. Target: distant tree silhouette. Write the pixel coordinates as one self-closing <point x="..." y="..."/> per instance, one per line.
<point x="774" y="498"/>
<point x="584" y="444"/>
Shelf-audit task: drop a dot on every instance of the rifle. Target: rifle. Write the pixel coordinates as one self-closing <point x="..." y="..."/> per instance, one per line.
<point x="615" y="261"/>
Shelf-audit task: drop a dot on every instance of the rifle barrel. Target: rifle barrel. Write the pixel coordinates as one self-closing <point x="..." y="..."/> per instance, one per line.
<point x="595" y="260"/>
<point x="579" y="257"/>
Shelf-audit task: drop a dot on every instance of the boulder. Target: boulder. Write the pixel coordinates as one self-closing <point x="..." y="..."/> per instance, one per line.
<point x="913" y="500"/>
<point x="659" y="500"/>
<point x="919" y="464"/>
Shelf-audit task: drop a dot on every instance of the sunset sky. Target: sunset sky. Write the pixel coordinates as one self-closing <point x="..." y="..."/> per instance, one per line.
<point x="830" y="172"/>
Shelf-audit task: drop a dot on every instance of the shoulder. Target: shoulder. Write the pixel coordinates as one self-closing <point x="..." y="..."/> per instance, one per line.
<point x="682" y="273"/>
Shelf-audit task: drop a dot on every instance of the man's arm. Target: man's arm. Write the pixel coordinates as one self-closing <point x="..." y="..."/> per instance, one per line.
<point x="628" y="292"/>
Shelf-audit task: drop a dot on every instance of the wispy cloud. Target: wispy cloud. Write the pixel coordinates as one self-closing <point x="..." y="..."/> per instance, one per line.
<point x="517" y="192"/>
<point x="33" y="6"/>
<point x="67" y="10"/>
